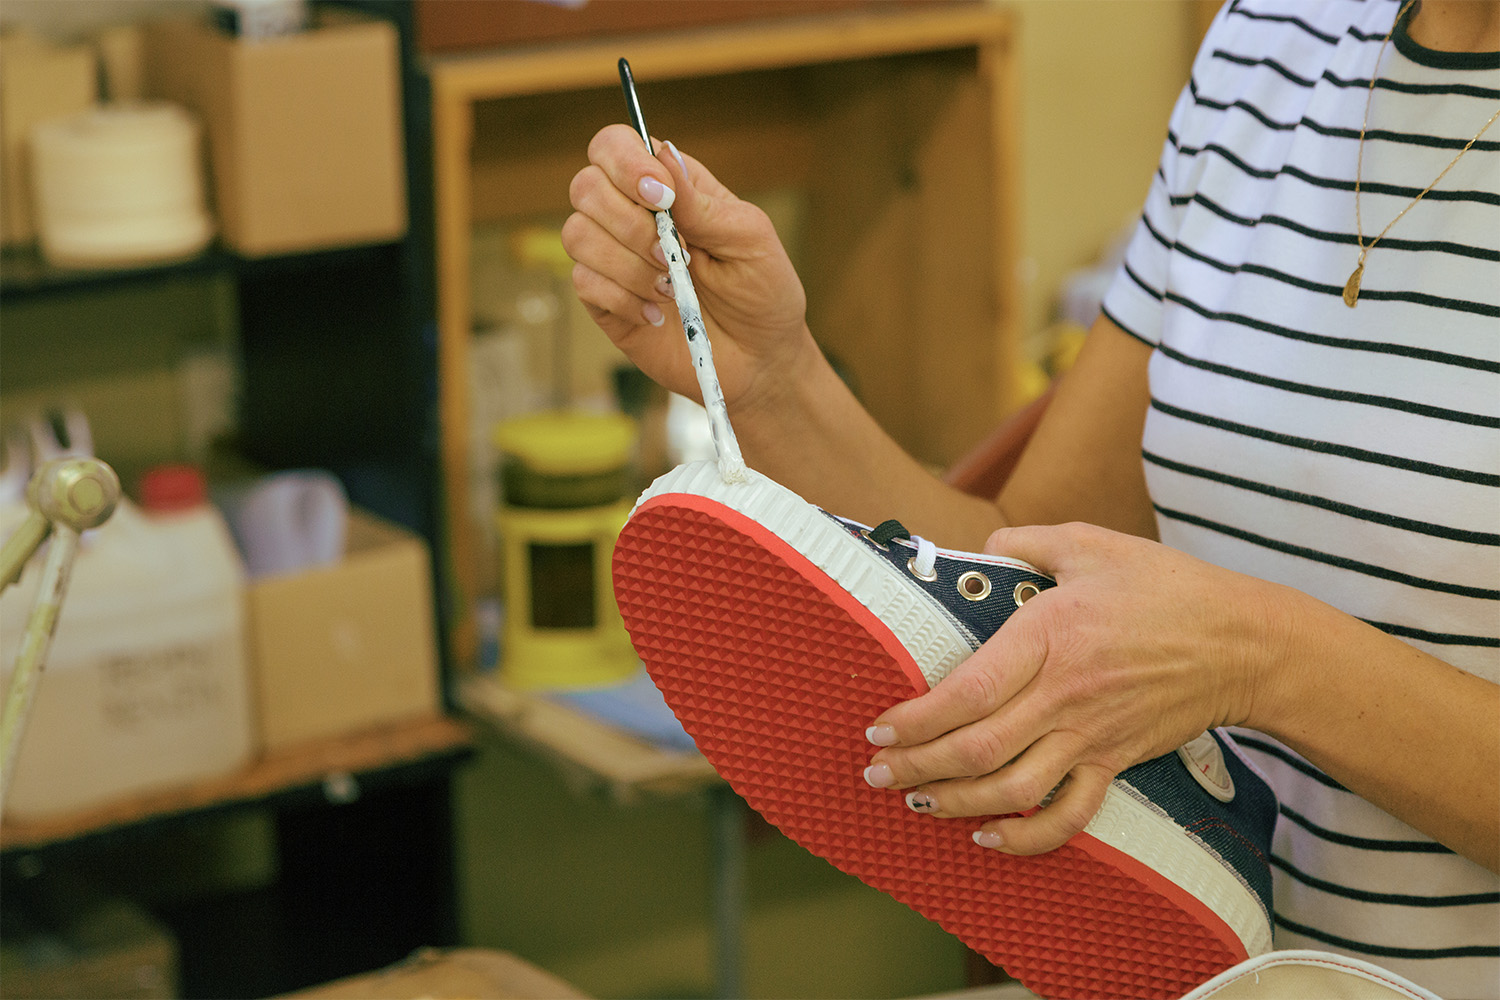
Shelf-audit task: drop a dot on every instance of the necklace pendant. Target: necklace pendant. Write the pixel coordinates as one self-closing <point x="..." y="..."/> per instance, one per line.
<point x="1351" y="287"/>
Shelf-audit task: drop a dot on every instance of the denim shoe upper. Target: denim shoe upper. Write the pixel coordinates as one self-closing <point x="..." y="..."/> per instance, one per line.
<point x="1237" y="832"/>
<point x="976" y="610"/>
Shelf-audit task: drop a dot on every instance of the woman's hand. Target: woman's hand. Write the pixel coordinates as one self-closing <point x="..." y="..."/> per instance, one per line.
<point x="1138" y="649"/>
<point x="752" y="300"/>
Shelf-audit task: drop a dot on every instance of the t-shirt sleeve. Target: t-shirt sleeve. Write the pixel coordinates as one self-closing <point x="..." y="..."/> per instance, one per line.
<point x="1135" y="296"/>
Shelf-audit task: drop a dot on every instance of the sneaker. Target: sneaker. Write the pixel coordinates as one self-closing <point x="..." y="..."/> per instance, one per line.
<point x="778" y="632"/>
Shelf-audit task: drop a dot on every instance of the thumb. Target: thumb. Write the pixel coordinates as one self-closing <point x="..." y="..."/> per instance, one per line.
<point x="1053" y="549"/>
<point x="707" y="214"/>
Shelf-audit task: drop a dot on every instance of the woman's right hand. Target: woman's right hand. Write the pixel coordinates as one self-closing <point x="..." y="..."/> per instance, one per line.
<point x="752" y="301"/>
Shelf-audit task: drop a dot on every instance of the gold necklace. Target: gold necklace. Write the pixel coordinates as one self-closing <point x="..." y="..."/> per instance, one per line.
<point x="1351" y="287"/>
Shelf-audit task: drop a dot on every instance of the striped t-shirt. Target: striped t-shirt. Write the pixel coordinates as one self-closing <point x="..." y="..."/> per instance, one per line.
<point x="1351" y="453"/>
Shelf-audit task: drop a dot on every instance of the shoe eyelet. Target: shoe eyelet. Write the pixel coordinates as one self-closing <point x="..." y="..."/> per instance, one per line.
<point x="865" y="534"/>
<point x="911" y="567"/>
<point x="973" y="586"/>
<point x="1025" y="591"/>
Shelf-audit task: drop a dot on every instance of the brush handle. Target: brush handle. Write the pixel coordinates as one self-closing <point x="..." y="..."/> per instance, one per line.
<point x="731" y="462"/>
<point x="633" y="103"/>
<point x="726" y="446"/>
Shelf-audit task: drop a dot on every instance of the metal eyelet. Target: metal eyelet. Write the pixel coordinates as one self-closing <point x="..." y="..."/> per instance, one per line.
<point x="973" y="586"/>
<point x="911" y="567"/>
<point x="865" y="534"/>
<point x="1025" y="591"/>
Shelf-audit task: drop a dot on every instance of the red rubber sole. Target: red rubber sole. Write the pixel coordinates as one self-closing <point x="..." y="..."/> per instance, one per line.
<point x="776" y="671"/>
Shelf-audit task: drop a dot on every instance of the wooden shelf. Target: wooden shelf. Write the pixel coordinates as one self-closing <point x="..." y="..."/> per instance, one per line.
<point x="895" y="129"/>
<point x="589" y="753"/>
<point x="324" y="765"/>
<point x="707" y="51"/>
<point x="26" y="274"/>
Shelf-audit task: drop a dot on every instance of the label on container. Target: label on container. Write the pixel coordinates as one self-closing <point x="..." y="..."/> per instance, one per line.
<point x="151" y="687"/>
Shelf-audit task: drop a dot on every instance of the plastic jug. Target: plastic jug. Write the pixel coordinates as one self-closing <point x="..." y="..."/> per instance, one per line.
<point x="147" y="682"/>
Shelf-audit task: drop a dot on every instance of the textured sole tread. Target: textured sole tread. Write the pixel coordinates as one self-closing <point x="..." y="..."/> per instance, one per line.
<point x="776" y="677"/>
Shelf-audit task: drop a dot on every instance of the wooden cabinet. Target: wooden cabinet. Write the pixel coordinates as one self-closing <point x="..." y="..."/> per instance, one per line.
<point x="895" y="127"/>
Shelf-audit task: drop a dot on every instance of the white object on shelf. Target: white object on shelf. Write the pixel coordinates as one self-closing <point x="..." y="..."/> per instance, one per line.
<point x="147" y="682"/>
<point x="121" y="184"/>
<point x="690" y="437"/>
<point x="256" y="20"/>
<point x="288" y="522"/>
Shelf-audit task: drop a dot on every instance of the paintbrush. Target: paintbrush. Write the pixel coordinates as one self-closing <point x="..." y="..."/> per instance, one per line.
<point x="731" y="463"/>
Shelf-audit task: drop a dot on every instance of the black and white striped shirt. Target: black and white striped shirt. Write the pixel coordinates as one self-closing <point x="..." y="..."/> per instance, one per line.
<point x="1351" y="453"/>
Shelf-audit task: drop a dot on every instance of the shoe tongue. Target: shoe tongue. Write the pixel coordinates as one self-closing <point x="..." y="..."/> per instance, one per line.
<point x="1205" y="762"/>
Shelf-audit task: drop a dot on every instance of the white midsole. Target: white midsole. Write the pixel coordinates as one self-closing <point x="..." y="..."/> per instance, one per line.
<point x="933" y="642"/>
<point x="1124" y="822"/>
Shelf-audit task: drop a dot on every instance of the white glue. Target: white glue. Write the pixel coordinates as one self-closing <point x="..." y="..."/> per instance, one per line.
<point x="731" y="462"/>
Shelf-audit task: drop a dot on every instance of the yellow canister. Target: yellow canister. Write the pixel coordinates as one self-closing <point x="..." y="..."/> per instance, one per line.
<point x="565" y="493"/>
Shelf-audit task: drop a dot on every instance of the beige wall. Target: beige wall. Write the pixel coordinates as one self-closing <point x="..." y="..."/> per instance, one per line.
<point x="1098" y="79"/>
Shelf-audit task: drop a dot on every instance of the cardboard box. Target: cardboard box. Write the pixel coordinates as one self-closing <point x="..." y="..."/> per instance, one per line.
<point x="304" y="131"/>
<point x="38" y="81"/>
<point x="345" y="647"/>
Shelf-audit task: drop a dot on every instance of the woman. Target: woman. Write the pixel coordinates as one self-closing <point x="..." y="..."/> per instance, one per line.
<point x="1269" y="488"/>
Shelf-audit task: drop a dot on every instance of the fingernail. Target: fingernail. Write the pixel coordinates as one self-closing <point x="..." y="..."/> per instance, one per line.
<point x="664" y="284"/>
<point x="680" y="161"/>
<point x="657" y="193"/>
<point x="879" y="776"/>
<point x="881" y="735"/>
<point x="652" y="314"/>
<point x="988" y="838"/>
<point x="661" y="255"/>
<point x="921" y="802"/>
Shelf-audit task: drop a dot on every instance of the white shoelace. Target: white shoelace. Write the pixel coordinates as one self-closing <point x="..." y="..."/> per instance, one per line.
<point x="924" y="563"/>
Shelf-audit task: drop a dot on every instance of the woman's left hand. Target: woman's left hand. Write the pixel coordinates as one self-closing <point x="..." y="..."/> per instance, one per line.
<point x="1138" y="649"/>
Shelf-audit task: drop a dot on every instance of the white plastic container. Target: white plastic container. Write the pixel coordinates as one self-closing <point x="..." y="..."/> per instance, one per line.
<point x="146" y="685"/>
<point x="120" y="184"/>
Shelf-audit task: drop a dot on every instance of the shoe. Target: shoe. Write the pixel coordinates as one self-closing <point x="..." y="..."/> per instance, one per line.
<point x="778" y="632"/>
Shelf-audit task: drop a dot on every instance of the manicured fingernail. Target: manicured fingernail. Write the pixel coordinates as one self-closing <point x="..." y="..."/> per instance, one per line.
<point x="657" y="193"/>
<point x="879" y="776"/>
<point x="921" y="802"/>
<point x="680" y="161"/>
<point x="881" y="735"/>
<point x="988" y="838"/>
<point x="661" y="255"/>
<point x="652" y="314"/>
<point x="664" y="284"/>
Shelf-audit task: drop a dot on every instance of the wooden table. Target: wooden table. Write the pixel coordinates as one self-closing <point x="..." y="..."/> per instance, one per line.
<point x="590" y="754"/>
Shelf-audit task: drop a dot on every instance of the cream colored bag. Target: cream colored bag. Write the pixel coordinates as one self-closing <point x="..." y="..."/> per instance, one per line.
<point x="1299" y="975"/>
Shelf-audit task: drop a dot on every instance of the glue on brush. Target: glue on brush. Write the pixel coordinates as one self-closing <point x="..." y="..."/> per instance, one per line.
<point x="731" y="463"/>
